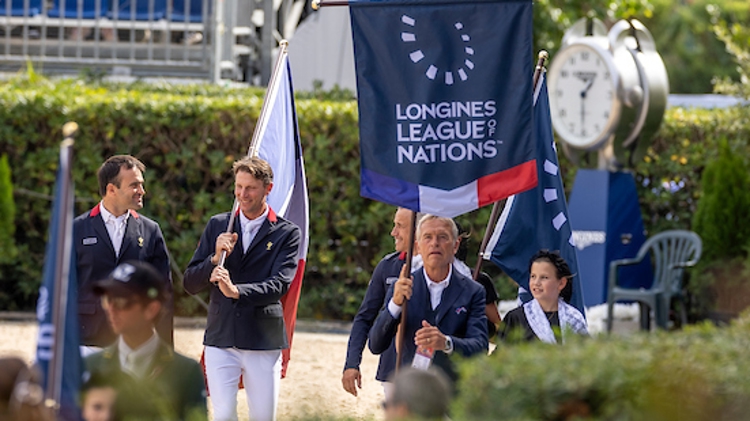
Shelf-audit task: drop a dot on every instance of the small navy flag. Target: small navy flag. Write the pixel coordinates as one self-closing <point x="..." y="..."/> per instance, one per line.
<point x="537" y="219"/>
<point x="444" y="90"/>
<point x="58" y="354"/>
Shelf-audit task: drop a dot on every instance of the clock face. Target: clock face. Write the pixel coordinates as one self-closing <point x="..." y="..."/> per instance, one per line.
<point x="583" y="96"/>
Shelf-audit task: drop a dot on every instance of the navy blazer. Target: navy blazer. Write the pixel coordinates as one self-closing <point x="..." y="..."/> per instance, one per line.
<point x="173" y="388"/>
<point x="460" y="315"/>
<point x="385" y="274"/>
<point x="95" y="260"/>
<point x="262" y="275"/>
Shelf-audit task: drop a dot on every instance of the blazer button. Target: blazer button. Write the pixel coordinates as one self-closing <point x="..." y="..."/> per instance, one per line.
<point x="237" y="314"/>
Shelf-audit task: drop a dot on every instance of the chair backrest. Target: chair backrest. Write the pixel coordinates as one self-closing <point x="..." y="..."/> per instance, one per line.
<point x="672" y="251"/>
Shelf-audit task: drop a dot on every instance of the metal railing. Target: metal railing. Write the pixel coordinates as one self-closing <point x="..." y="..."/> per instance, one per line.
<point x="138" y="37"/>
<point x="204" y="39"/>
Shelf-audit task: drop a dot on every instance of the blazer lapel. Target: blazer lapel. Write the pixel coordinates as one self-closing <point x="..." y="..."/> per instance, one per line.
<point x="133" y="236"/>
<point x="450" y="294"/>
<point x="101" y="231"/>
<point x="260" y="236"/>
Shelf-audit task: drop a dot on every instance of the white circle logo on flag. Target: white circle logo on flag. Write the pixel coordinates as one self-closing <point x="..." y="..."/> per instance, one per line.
<point x="450" y="75"/>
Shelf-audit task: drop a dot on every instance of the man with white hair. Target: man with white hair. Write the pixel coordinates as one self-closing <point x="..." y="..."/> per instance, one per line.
<point x="446" y="312"/>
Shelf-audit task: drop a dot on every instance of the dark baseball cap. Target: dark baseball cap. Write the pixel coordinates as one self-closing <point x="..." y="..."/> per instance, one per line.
<point x="133" y="278"/>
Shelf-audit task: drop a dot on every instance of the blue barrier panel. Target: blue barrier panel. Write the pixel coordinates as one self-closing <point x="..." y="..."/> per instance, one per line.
<point x="194" y="14"/>
<point x="88" y="9"/>
<point x="17" y="8"/>
<point x="142" y="10"/>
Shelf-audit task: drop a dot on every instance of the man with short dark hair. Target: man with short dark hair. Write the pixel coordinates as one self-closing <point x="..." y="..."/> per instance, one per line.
<point x="151" y="380"/>
<point x="446" y="312"/>
<point x="113" y="232"/>
<point x="384" y="275"/>
<point x="245" y="330"/>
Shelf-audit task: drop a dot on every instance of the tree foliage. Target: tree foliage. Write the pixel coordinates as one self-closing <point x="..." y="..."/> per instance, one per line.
<point x="722" y="218"/>
<point x="7" y="213"/>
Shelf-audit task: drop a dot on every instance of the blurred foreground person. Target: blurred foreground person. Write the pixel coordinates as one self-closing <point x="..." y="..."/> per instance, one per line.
<point x="548" y="316"/>
<point x="98" y="397"/>
<point x="152" y="381"/>
<point x="21" y="396"/>
<point x="418" y="395"/>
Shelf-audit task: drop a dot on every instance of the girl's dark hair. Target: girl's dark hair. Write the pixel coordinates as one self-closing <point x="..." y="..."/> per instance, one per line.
<point x="561" y="268"/>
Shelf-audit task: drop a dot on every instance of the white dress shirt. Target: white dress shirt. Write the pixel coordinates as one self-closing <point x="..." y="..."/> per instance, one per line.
<point x="436" y="292"/>
<point x="250" y="228"/>
<point x="137" y="361"/>
<point x="115" y="227"/>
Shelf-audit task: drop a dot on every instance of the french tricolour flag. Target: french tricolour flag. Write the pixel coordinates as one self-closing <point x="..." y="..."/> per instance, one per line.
<point x="280" y="146"/>
<point x="450" y="203"/>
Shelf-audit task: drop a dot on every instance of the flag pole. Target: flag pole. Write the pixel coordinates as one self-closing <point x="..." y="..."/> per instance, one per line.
<point x="317" y="4"/>
<point x="498" y="206"/>
<point x="260" y="129"/>
<point x="401" y="331"/>
<point x="62" y="267"/>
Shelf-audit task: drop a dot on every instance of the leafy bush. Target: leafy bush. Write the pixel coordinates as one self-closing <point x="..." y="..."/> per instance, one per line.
<point x="696" y="374"/>
<point x="7" y="213"/>
<point x="188" y="138"/>
<point x="736" y="37"/>
<point x="722" y="217"/>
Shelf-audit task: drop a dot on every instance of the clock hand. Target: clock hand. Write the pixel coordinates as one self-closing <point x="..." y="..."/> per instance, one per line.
<point x="589" y="82"/>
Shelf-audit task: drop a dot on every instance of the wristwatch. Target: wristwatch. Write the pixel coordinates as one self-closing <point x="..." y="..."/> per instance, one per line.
<point x="448" y="344"/>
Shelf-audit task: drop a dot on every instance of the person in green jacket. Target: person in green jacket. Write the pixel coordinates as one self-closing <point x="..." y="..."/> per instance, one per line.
<point x="152" y="381"/>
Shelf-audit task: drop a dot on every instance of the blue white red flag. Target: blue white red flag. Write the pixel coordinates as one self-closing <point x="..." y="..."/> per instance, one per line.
<point x="444" y="91"/>
<point x="281" y="147"/>
<point x="537" y="219"/>
<point x="58" y="354"/>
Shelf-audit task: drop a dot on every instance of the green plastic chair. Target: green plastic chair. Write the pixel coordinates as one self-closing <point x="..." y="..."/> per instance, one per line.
<point x="670" y="253"/>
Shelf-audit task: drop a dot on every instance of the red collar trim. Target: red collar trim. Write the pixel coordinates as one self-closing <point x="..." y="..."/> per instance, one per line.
<point x="402" y="256"/>
<point x="271" y="214"/>
<point x="96" y="210"/>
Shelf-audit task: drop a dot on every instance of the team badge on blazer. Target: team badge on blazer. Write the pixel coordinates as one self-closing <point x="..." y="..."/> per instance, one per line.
<point x="461" y="310"/>
<point x="268" y="246"/>
<point x="89" y="241"/>
<point x="140" y="241"/>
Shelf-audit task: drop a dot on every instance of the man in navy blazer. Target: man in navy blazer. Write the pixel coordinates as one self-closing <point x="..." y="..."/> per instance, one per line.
<point x="384" y="275"/>
<point x="245" y="330"/>
<point x="445" y="309"/>
<point x="111" y="233"/>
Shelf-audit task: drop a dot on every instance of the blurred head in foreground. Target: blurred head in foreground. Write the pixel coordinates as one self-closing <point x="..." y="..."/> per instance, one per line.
<point x="418" y="395"/>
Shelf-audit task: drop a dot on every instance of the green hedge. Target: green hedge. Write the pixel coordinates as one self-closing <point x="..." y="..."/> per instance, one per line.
<point x="697" y="374"/>
<point x="188" y="136"/>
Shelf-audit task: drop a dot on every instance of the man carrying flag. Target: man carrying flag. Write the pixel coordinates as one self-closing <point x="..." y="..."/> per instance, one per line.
<point x="537" y="219"/>
<point x="245" y="330"/>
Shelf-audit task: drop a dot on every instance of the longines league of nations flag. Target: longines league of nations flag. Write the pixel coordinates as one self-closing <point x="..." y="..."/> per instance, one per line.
<point x="445" y="102"/>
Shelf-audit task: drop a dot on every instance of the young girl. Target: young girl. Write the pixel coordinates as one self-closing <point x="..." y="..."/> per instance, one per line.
<point x="548" y="316"/>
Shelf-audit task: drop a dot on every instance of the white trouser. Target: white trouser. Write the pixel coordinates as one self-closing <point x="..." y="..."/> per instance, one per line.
<point x="261" y="372"/>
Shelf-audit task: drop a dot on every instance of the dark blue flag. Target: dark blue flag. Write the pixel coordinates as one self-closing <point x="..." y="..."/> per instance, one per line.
<point x="444" y="91"/>
<point x="58" y="354"/>
<point x="537" y="219"/>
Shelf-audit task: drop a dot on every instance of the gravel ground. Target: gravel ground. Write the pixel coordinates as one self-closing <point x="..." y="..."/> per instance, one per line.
<point x="312" y="385"/>
<point x="313" y="382"/>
